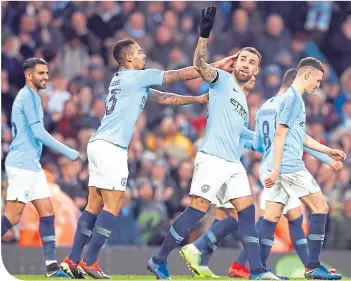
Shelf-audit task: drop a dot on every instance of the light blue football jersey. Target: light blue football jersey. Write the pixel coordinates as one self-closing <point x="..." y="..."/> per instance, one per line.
<point x="29" y="134"/>
<point x="228" y="114"/>
<point x="291" y="112"/>
<point x="265" y="128"/>
<point x="128" y="92"/>
<point x="25" y="149"/>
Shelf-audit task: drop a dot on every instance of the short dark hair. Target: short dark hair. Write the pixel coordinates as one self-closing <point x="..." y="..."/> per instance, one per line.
<point x="310" y="62"/>
<point x="289" y="78"/>
<point x="253" y="51"/>
<point x="32" y="62"/>
<point x="119" y="47"/>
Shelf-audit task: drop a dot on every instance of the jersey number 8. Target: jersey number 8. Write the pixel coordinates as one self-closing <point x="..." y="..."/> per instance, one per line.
<point x="265" y="130"/>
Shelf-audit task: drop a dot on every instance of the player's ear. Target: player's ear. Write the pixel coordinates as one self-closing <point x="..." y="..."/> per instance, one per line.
<point x="307" y="75"/>
<point x="128" y="57"/>
<point x="257" y="70"/>
<point x="28" y="75"/>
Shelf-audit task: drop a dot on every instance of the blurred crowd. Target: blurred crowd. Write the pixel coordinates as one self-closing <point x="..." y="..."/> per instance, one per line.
<point x="76" y="39"/>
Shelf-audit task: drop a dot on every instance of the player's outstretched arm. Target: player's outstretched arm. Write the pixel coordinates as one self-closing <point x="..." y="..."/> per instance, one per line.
<point x="39" y="132"/>
<point x="278" y="148"/>
<point x="336" y="165"/>
<point x="189" y="73"/>
<point x="45" y="138"/>
<point x="315" y="145"/>
<point x="174" y="99"/>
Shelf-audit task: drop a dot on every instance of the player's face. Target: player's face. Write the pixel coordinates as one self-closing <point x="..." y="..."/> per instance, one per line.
<point x="246" y="66"/>
<point x="39" y="76"/>
<point x="313" y="80"/>
<point x="137" y="57"/>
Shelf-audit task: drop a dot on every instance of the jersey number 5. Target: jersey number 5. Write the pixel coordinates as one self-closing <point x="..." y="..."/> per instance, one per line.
<point x="265" y="130"/>
<point x="14" y="130"/>
<point x="110" y="105"/>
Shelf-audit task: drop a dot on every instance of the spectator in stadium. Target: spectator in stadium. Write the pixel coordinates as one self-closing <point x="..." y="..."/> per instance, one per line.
<point x="345" y="88"/>
<point x="275" y="38"/>
<point x="163" y="44"/>
<point x="73" y="56"/>
<point x="11" y="61"/>
<point x="136" y="29"/>
<point x="339" y="236"/>
<point x="92" y="120"/>
<point x="69" y="124"/>
<point x="106" y="20"/>
<point x="151" y="214"/>
<point x="8" y="93"/>
<point x="79" y="25"/>
<point x="239" y="35"/>
<point x="318" y="17"/>
<point x="340" y="45"/>
<point x="48" y="34"/>
<point x="162" y="185"/>
<point x="272" y="80"/>
<point x="183" y="182"/>
<point x="59" y="95"/>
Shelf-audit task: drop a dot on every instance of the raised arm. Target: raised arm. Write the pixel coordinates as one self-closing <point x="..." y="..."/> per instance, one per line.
<point x="174" y="99"/>
<point x="206" y="71"/>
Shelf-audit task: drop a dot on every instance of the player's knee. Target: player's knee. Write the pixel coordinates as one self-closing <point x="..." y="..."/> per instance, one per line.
<point x="200" y="203"/>
<point x="321" y="208"/>
<point x="94" y="206"/>
<point x="13" y="217"/>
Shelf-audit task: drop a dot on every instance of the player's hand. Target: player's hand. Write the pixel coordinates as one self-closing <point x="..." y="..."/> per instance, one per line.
<point x="203" y="98"/>
<point x="207" y="20"/>
<point x="336" y="165"/>
<point x="79" y="157"/>
<point x="337" y="154"/>
<point x="271" y="179"/>
<point x="227" y="63"/>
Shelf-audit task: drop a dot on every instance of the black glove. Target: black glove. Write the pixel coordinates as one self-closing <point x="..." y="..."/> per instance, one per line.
<point x="207" y="21"/>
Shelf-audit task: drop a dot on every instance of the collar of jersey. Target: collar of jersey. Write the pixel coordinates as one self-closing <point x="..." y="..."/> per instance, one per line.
<point x="30" y="89"/>
<point x="294" y="90"/>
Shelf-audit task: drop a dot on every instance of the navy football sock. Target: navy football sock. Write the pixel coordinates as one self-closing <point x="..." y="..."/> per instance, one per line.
<point x="316" y="239"/>
<point x="102" y="231"/>
<point x="298" y="239"/>
<point x="84" y="231"/>
<point x="180" y="228"/>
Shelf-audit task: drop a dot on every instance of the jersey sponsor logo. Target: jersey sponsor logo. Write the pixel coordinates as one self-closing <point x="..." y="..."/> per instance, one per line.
<point x="302" y="124"/>
<point x="205" y="188"/>
<point x="239" y="108"/>
<point x="235" y="90"/>
<point x="124" y="181"/>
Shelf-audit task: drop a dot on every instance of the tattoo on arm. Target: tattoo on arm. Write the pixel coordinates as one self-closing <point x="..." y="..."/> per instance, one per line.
<point x="169" y="98"/>
<point x="206" y="71"/>
<point x="187" y="73"/>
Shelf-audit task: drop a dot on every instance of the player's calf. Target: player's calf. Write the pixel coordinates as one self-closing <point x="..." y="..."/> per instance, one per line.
<point x="12" y="215"/>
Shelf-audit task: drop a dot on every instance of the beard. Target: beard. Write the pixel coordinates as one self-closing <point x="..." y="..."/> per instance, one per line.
<point x="39" y="86"/>
<point x="240" y="77"/>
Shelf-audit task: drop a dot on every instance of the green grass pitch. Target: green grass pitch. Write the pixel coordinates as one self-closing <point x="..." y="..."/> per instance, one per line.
<point x="140" y="277"/>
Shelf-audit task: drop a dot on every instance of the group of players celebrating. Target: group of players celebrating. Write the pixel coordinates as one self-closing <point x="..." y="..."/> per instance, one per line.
<point x="219" y="177"/>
